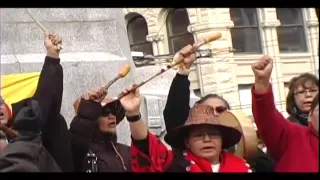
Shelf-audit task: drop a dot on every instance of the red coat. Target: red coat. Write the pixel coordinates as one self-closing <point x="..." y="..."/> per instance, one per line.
<point x="294" y="148"/>
<point x="160" y="159"/>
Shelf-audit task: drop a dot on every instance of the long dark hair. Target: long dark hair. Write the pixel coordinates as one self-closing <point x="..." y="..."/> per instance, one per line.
<point x="209" y="96"/>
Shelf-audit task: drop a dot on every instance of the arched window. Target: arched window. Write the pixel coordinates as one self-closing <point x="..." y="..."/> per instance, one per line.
<point x="291" y="35"/>
<point x="177" y="26"/>
<point x="245" y="33"/>
<point x="137" y="33"/>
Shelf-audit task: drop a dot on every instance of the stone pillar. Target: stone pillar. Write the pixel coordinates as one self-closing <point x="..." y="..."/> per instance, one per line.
<point x="157" y="44"/>
<point x="218" y="76"/>
<point x="153" y="38"/>
<point x="313" y="36"/>
<point x="271" y="48"/>
<point x="160" y="43"/>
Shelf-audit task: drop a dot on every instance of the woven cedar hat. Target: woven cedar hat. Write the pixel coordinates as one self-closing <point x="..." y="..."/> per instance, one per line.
<point x="201" y="115"/>
<point x="115" y="107"/>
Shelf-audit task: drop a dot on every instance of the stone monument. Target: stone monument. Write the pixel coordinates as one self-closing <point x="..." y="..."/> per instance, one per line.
<point x="95" y="46"/>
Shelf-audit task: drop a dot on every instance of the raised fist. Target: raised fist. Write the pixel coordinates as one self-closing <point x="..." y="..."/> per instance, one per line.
<point x="51" y="42"/>
<point x="262" y="68"/>
<point x="262" y="71"/>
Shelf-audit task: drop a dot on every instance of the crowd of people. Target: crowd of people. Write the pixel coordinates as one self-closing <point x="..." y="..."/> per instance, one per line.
<point x="199" y="141"/>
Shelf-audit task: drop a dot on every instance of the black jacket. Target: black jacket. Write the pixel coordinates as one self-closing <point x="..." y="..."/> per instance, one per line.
<point x="26" y="153"/>
<point x="177" y="109"/>
<point x="263" y="162"/>
<point x="86" y="136"/>
<point x="55" y="132"/>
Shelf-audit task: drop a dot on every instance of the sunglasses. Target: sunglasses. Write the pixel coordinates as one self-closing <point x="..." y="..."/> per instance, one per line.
<point x="107" y="112"/>
<point x="220" y="109"/>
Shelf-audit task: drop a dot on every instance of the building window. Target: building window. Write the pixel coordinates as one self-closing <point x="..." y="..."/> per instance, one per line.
<point x="245" y="98"/>
<point x="291" y="34"/>
<point x="177" y="27"/>
<point x="246" y="32"/>
<point x="137" y="33"/>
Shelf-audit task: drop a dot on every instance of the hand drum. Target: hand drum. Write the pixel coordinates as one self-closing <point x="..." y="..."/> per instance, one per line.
<point x="247" y="146"/>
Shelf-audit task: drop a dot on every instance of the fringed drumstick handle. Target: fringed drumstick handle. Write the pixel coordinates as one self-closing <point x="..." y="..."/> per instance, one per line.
<point x="211" y="37"/>
<point x="44" y="29"/>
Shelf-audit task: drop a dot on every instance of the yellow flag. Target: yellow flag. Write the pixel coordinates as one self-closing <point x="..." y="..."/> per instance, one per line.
<point x="15" y="87"/>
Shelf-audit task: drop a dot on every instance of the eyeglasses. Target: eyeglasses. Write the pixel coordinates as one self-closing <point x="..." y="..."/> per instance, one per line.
<point x="220" y="109"/>
<point x="202" y="135"/>
<point x="305" y="92"/>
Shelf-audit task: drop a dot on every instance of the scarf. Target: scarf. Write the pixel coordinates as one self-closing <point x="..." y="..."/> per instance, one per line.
<point x="301" y="117"/>
<point x="228" y="163"/>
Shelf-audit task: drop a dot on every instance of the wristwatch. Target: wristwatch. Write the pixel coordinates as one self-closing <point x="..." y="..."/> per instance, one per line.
<point x="133" y="118"/>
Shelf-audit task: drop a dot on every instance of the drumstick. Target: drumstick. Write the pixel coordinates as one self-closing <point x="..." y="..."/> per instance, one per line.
<point x="59" y="46"/>
<point x="211" y="37"/>
<point x="122" y="73"/>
